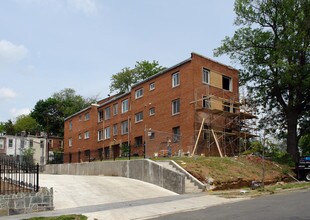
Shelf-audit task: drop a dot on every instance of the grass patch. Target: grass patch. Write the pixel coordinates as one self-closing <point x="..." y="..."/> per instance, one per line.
<point x="63" y="217"/>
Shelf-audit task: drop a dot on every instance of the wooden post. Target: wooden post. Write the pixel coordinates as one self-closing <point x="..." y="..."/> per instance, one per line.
<point x="201" y="127"/>
<point x="217" y="144"/>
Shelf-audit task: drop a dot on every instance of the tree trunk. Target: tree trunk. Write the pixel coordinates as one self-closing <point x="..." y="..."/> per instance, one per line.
<point x="292" y="140"/>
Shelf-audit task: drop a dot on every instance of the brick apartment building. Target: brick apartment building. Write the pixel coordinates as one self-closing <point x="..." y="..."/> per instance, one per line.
<point x="190" y="108"/>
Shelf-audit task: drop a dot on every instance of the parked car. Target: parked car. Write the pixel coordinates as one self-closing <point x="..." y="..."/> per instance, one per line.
<point x="303" y="168"/>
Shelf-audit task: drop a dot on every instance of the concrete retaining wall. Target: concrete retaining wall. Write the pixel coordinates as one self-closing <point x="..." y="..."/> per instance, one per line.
<point x="144" y="170"/>
<point x="23" y="203"/>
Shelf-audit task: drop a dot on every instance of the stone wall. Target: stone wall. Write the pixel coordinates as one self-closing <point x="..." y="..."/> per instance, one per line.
<point x="144" y="170"/>
<point x="23" y="203"/>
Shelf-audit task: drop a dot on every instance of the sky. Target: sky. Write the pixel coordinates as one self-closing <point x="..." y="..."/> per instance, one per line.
<point x="49" y="45"/>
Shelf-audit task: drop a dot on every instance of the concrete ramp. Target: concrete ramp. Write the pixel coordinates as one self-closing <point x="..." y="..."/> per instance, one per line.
<point x="77" y="191"/>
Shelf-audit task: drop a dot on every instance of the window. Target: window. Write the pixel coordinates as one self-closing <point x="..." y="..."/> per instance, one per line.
<point x="100" y="116"/>
<point x="138" y="141"/>
<point x="86" y="135"/>
<point x="100" y="135"/>
<point x="80" y="118"/>
<point x="30" y="143"/>
<point x="107" y="133"/>
<point x="151" y="135"/>
<point x="86" y="116"/>
<point x="1" y="144"/>
<point x="205" y="75"/>
<point x="139" y="117"/>
<point x="41" y="144"/>
<point x="80" y="136"/>
<point x="10" y="142"/>
<point x="124" y="126"/>
<point x="70" y="142"/>
<point x="70" y="125"/>
<point x="227" y="83"/>
<point x="115" y="129"/>
<point x="152" y="86"/>
<point x="139" y="93"/>
<point x="175" y="79"/>
<point x="176" y="134"/>
<point x="205" y="132"/>
<point x="152" y="111"/>
<point x="115" y="109"/>
<point x="175" y="106"/>
<point x="107" y="113"/>
<point x="125" y="106"/>
<point x="206" y="102"/>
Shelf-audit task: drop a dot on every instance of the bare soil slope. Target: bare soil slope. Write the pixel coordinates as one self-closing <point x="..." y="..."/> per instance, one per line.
<point x="234" y="172"/>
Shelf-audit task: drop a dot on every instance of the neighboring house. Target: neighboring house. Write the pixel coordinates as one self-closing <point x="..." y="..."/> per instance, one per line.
<point x="13" y="146"/>
<point x="190" y="108"/>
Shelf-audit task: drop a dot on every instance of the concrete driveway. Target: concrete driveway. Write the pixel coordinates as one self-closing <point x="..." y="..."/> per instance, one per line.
<point x="104" y="197"/>
<point x="76" y="191"/>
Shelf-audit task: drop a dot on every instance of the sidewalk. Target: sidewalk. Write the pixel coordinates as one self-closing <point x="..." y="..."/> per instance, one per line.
<point x="100" y="197"/>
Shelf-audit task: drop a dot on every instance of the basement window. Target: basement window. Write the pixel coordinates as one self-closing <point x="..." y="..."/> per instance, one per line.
<point x="227" y="83"/>
<point x="138" y="141"/>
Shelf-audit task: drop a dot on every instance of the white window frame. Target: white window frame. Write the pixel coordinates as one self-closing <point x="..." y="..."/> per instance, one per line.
<point x="175" y="79"/>
<point x="10" y="142"/>
<point x="70" y="142"/>
<point x="115" y="109"/>
<point x="80" y="136"/>
<point x="87" y="116"/>
<point x="125" y="105"/>
<point x="107" y="133"/>
<point x="139" y="117"/>
<point x="100" y="116"/>
<point x="107" y="113"/>
<point x="86" y="135"/>
<point x="205" y="76"/>
<point x="124" y="127"/>
<point x="176" y="107"/>
<point x="152" y="86"/>
<point x="115" y="129"/>
<point x="70" y="125"/>
<point x="152" y="111"/>
<point x="100" y="135"/>
<point x="139" y="93"/>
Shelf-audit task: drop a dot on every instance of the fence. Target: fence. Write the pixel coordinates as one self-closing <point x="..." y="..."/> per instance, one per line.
<point x="18" y="177"/>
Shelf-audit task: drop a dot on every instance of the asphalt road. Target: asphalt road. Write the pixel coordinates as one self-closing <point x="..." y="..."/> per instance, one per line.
<point x="284" y="206"/>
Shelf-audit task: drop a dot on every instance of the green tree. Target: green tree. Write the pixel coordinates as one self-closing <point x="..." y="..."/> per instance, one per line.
<point x="272" y="46"/>
<point x="2" y="127"/>
<point x="121" y="82"/>
<point x="26" y="123"/>
<point x="28" y="153"/>
<point x="304" y="145"/>
<point x="49" y="115"/>
<point x="9" y="128"/>
<point x="145" y="69"/>
<point x="70" y="102"/>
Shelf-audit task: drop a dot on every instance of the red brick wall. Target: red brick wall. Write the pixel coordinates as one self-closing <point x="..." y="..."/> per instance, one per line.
<point x="190" y="88"/>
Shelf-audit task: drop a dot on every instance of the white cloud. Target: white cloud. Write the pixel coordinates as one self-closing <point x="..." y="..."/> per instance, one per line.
<point x="88" y="7"/>
<point x="6" y="93"/>
<point x="10" y="53"/>
<point x="17" y="112"/>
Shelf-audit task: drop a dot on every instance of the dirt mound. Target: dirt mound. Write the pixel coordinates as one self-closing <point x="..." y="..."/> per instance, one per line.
<point x="233" y="172"/>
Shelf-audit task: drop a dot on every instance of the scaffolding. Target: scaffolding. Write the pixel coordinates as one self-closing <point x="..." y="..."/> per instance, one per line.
<point x="223" y="123"/>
